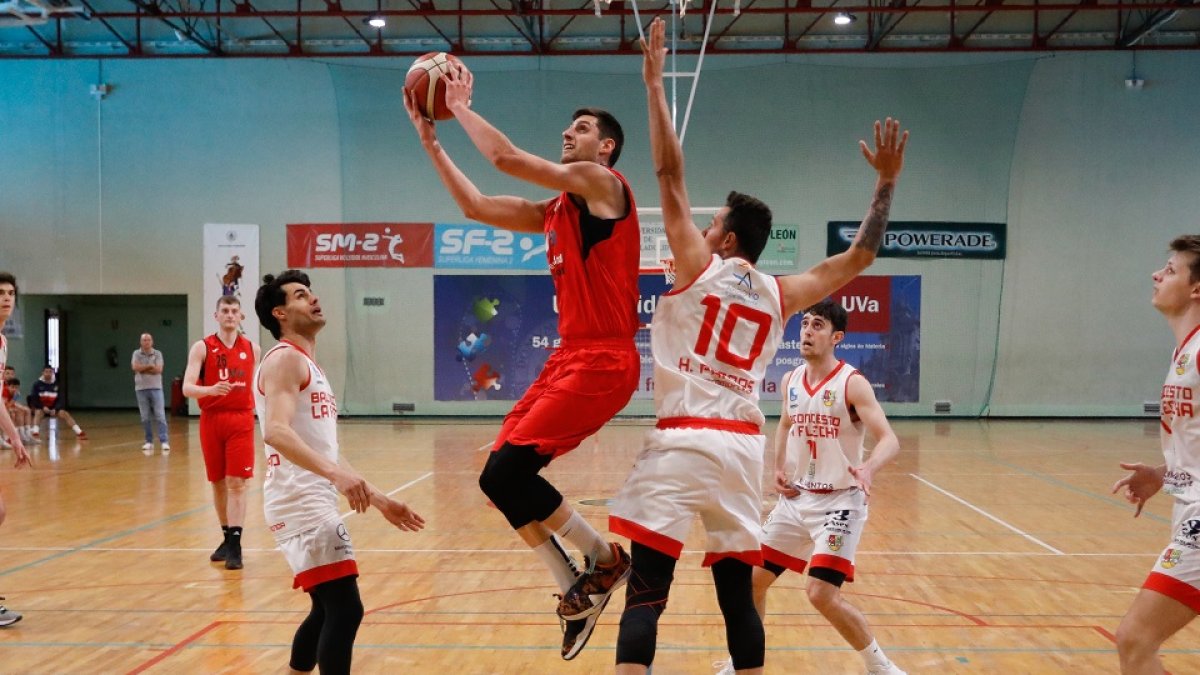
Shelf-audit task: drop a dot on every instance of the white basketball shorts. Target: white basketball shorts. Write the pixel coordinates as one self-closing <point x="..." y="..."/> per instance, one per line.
<point x="1176" y="574"/>
<point x="817" y="529"/>
<point x="319" y="554"/>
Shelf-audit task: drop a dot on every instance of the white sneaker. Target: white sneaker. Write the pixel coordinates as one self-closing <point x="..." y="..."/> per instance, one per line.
<point x="147" y="449"/>
<point x="166" y="448"/>
<point x="889" y="669"/>
<point x="724" y="667"/>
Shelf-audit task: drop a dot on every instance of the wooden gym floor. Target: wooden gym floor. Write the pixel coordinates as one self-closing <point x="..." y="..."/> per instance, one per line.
<point x="993" y="547"/>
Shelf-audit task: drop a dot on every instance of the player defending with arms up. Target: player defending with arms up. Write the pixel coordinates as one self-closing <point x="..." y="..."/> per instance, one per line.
<point x="1170" y="596"/>
<point x="593" y="248"/>
<point x="298" y="414"/>
<point x="712" y="337"/>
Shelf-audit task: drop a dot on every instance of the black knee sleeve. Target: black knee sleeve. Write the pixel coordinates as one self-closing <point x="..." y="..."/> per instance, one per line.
<point x="645" y="599"/>
<point x="343" y="610"/>
<point x="743" y="627"/>
<point x="308" y="636"/>
<point x="774" y="568"/>
<point x="510" y="479"/>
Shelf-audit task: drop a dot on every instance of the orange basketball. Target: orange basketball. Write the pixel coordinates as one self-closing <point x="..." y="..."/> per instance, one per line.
<point x="426" y="80"/>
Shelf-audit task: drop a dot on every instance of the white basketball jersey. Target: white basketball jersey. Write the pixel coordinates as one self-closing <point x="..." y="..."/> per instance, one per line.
<point x="296" y="499"/>
<point x="3" y="351"/>
<point x="824" y="439"/>
<point x="712" y="341"/>
<point x="1180" y="429"/>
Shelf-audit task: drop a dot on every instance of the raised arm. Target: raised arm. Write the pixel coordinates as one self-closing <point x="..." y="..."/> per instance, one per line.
<point x="804" y="290"/>
<point x="596" y="184"/>
<point x="282" y="378"/>
<point x="686" y="242"/>
<point x="861" y="396"/>
<point x="510" y="213"/>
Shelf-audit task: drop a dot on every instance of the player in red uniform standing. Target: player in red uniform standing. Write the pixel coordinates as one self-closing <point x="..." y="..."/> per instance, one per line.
<point x="218" y="376"/>
<point x="593" y="247"/>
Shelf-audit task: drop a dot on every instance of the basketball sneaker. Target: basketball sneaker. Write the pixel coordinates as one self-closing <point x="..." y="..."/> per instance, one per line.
<point x="147" y="449"/>
<point x="724" y="667"/>
<point x="7" y="616"/>
<point x="889" y="669"/>
<point x="166" y="448"/>
<point x="221" y="553"/>
<point x="577" y="633"/>
<point x="591" y="591"/>
<point x="233" y="560"/>
<point x="82" y="435"/>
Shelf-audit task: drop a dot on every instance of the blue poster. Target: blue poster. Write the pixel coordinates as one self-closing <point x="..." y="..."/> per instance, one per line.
<point x="493" y="334"/>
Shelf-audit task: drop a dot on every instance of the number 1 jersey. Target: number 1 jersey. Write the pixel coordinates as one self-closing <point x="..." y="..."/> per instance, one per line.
<point x="712" y="341"/>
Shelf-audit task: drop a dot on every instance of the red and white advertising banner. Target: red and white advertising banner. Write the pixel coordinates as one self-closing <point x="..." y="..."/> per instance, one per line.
<point x="360" y="245"/>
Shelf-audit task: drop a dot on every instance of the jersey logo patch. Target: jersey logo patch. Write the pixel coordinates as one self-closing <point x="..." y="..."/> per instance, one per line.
<point x="830" y="397"/>
<point x="1171" y="558"/>
<point x="1181" y="364"/>
<point x="835" y="542"/>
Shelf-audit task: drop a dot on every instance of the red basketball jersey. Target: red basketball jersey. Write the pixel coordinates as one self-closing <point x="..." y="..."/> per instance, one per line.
<point x="234" y="365"/>
<point x="594" y="265"/>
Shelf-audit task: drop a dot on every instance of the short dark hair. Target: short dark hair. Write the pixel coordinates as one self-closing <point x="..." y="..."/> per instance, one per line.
<point x="13" y="382"/>
<point x="609" y="128"/>
<point x="1187" y="243"/>
<point x="831" y="311"/>
<point x="750" y="219"/>
<point x="47" y="367"/>
<point x="271" y="295"/>
<point x="228" y="300"/>
<point x="8" y="278"/>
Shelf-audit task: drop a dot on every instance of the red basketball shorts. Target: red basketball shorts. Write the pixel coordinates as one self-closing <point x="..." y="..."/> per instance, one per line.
<point x="579" y="390"/>
<point x="227" y="439"/>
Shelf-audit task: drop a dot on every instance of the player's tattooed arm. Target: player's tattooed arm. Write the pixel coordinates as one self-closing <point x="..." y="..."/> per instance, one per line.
<point x="870" y="233"/>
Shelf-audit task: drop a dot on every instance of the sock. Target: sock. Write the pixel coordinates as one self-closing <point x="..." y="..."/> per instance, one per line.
<point x="561" y="565"/>
<point x="235" y="538"/>
<point x="76" y="429"/>
<point x="225" y="533"/>
<point x="873" y="656"/>
<point x="580" y="533"/>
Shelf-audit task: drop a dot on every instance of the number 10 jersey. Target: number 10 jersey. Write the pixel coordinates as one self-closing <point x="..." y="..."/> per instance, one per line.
<point x="712" y="341"/>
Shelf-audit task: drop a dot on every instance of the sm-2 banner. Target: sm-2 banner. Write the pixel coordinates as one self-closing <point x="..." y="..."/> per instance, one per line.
<point x="493" y="334"/>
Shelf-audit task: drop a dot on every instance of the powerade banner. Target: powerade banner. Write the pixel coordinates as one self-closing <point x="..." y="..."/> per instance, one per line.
<point x="493" y="334"/>
<point x="912" y="239"/>
<point x="883" y="337"/>
<point x="482" y="247"/>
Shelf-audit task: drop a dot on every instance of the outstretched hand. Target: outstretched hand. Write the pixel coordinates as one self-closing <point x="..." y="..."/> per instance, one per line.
<point x="1137" y="487"/>
<point x="888" y="157"/>
<point x="654" y="54"/>
<point x="459" y="84"/>
<point x="400" y="515"/>
<point x="22" y="456"/>
<point x="423" y="126"/>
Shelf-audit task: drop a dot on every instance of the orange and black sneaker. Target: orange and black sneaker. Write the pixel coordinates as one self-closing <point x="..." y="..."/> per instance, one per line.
<point x="592" y="589"/>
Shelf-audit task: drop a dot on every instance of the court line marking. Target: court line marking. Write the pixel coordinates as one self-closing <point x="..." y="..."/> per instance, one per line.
<point x="470" y="551"/>
<point x="406" y="485"/>
<point x="989" y="516"/>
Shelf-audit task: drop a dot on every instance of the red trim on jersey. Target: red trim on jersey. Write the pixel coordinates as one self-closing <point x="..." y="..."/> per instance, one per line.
<point x="645" y="536"/>
<point x="319" y="575"/>
<point x="753" y="558"/>
<point x="735" y="426"/>
<point x="782" y="559"/>
<point x="1164" y="425"/>
<point x="310" y="358"/>
<point x="1185" y="341"/>
<point x="812" y="391"/>
<point x="1175" y="589"/>
<point x="677" y="291"/>
<point x="832" y="562"/>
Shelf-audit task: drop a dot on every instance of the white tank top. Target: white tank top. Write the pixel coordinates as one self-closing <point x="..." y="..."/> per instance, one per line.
<point x="823" y="437"/>
<point x="1180" y="429"/>
<point x="712" y="341"/>
<point x="296" y="499"/>
<point x="3" y="351"/>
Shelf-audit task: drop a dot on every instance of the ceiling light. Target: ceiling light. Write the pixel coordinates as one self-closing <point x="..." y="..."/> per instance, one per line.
<point x="844" y="18"/>
<point x="375" y="20"/>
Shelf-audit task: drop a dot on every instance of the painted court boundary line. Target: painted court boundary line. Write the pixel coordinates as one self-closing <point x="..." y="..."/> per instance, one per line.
<point x="989" y="516"/>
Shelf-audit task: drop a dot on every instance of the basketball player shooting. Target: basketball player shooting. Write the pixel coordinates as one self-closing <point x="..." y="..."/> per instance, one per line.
<point x="593" y="248"/>
<point x="712" y="337"/>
